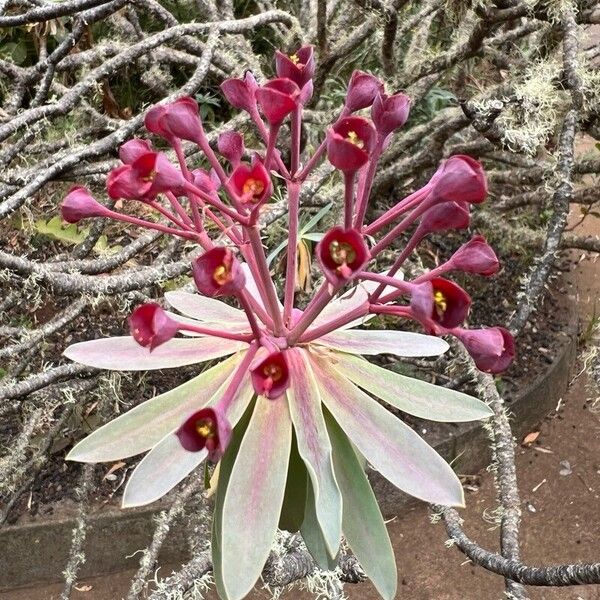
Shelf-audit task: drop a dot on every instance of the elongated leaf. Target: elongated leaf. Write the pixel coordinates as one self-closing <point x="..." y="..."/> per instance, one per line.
<point x="312" y="533"/>
<point x="254" y="496"/>
<point x="225" y="466"/>
<point x="203" y="308"/>
<point x="362" y="523"/>
<point x="125" y="354"/>
<point x="371" y="286"/>
<point x="390" y="445"/>
<point x="314" y="446"/>
<point x="370" y="342"/>
<point x="160" y="471"/>
<point x="145" y="425"/>
<point x="410" y="395"/>
<point x="315" y="219"/>
<point x="294" y="499"/>
<point x="354" y="298"/>
<point x="252" y="287"/>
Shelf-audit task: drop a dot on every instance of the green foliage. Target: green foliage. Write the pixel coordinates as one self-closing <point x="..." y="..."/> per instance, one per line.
<point x="436" y="99"/>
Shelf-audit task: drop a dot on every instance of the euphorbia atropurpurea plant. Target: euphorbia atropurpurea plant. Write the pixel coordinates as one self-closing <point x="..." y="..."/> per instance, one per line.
<point x="290" y="417"/>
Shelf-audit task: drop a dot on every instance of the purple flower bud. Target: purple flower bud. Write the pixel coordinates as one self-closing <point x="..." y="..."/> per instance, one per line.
<point x="350" y="142"/>
<point x="133" y="149"/>
<point x="271" y="377"/>
<point x="80" y="204"/>
<point x="341" y="254"/>
<point x="492" y="349"/>
<point x="299" y="66"/>
<point x="277" y="99"/>
<point x="218" y="273"/>
<point x="476" y="256"/>
<point x="461" y="179"/>
<point x="389" y="112"/>
<point x="207" y="182"/>
<point x="150" y="325"/>
<point x="240" y="93"/>
<point x="208" y="428"/>
<point x="179" y="119"/>
<point x="445" y="216"/>
<point x="231" y="145"/>
<point x="362" y="89"/>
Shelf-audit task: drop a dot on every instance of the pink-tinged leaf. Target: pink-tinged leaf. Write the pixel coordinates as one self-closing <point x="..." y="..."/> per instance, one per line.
<point x="370" y="342"/>
<point x="410" y="395"/>
<point x="252" y="287"/>
<point x="314" y="446"/>
<point x="125" y="354"/>
<point x="203" y="308"/>
<point x="371" y="286"/>
<point x="160" y="471"/>
<point x="391" y="446"/>
<point x="353" y="299"/>
<point x="254" y="497"/>
<point x="362" y="523"/>
<point x="145" y="425"/>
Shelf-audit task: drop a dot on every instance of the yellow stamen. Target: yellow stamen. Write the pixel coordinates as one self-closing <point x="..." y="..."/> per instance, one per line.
<point x="342" y="253"/>
<point x="150" y="176"/>
<point x="441" y="304"/>
<point x="206" y="428"/>
<point x="221" y="274"/>
<point x="254" y="187"/>
<point x="353" y="138"/>
<point x="275" y="372"/>
<point x="294" y="58"/>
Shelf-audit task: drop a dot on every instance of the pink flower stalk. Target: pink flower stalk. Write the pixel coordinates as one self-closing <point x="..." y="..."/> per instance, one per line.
<point x="80" y="204"/>
<point x="275" y="365"/>
<point x="207" y="429"/>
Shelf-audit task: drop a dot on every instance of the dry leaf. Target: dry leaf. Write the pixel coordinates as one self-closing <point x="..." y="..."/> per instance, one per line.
<point x="530" y="438"/>
<point x="83" y="588"/>
<point x="115" y="467"/>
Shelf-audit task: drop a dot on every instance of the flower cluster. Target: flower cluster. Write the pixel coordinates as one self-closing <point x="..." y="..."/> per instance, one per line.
<point x="286" y="413"/>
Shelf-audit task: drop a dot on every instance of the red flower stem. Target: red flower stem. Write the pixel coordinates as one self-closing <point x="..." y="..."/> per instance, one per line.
<point x="273" y="133"/>
<point x="230" y="212"/>
<point x="177" y="146"/>
<point x="397" y="210"/>
<point x="295" y="139"/>
<point x="349" y="178"/>
<point x="168" y="214"/>
<point x="313" y="310"/>
<point x="271" y="301"/>
<point x="386" y="280"/>
<point x="292" y="250"/>
<point x="264" y="134"/>
<point x="440" y="270"/>
<point x="178" y="208"/>
<point x="395" y="311"/>
<point x="314" y="159"/>
<point x="188" y="235"/>
<point x="243" y="300"/>
<point x="234" y="385"/>
<point x="366" y="183"/>
<point x="384" y="242"/>
<point x="227" y="335"/>
<point x="406" y="252"/>
<point x="321" y="330"/>
<point x="228" y="229"/>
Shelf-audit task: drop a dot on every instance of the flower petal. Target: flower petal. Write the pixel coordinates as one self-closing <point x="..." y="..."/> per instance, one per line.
<point x="390" y="445"/>
<point x="125" y="354"/>
<point x="314" y="446"/>
<point x="369" y="342"/>
<point x="254" y="497"/>
<point x="145" y="425"/>
<point x="410" y="395"/>
<point x="362" y="523"/>
<point x="203" y="308"/>
<point x="160" y="471"/>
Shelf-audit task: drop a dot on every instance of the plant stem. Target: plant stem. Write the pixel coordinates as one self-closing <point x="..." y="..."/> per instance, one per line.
<point x="227" y="335"/>
<point x="292" y="250"/>
<point x="365" y="184"/>
<point x="349" y="178"/>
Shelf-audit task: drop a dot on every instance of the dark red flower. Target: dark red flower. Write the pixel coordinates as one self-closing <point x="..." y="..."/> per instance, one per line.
<point x="389" y="112"/>
<point x="207" y="428"/>
<point x="80" y="204"/>
<point x="179" y="119"/>
<point x="350" y="142"/>
<point x="218" y="273"/>
<point x="342" y="253"/>
<point x="277" y="99"/>
<point x="492" y="349"/>
<point x="362" y="89"/>
<point x="231" y="145"/>
<point x="271" y="377"/>
<point x="253" y="184"/>
<point x="133" y="149"/>
<point x="441" y="301"/>
<point x="150" y="325"/>
<point x="240" y="93"/>
<point x="299" y="66"/>
<point x="461" y="179"/>
<point x="476" y="256"/>
<point x="444" y="216"/>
